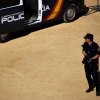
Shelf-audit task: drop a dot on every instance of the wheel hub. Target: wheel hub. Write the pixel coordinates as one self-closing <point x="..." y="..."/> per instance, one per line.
<point x="4" y="35"/>
<point x="70" y="13"/>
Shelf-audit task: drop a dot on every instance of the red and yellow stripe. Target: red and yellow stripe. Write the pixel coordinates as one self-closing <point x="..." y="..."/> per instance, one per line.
<point x="56" y="10"/>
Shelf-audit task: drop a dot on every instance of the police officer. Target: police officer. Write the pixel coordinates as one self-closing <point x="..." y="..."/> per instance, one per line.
<point x="91" y="54"/>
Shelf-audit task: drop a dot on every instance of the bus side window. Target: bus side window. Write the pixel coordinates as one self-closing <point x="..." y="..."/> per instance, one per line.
<point x="8" y="3"/>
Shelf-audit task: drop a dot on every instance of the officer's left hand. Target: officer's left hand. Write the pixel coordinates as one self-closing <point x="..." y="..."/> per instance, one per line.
<point x="89" y="60"/>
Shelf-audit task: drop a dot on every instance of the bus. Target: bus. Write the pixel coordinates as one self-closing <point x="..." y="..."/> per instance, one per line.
<point x="16" y="15"/>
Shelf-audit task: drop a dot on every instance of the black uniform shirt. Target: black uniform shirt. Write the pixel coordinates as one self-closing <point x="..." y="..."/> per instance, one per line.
<point x="92" y="49"/>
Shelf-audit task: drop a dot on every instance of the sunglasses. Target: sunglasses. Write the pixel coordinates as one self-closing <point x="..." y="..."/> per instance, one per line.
<point x="86" y="38"/>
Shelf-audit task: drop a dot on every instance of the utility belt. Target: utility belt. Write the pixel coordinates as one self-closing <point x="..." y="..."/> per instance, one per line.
<point x="86" y="59"/>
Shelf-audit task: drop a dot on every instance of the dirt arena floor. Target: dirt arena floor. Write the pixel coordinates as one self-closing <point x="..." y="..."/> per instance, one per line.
<point x="45" y="64"/>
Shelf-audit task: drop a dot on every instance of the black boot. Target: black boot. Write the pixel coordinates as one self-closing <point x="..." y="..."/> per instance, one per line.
<point x="91" y="88"/>
<point x="98" y="91"/>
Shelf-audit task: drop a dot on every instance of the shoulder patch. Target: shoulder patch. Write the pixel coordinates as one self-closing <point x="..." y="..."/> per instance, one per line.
<point x="98" y="49"/>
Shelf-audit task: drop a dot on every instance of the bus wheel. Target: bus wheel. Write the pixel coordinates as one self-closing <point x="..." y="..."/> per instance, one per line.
<point x="70" y="13"/>
<point x="4" y="37"/>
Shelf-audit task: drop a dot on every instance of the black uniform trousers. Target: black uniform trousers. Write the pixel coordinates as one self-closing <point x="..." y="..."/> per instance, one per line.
<point x="91" y="70"/>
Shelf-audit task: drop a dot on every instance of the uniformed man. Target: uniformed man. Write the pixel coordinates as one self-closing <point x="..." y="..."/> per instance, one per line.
<point x="91" y="54"/>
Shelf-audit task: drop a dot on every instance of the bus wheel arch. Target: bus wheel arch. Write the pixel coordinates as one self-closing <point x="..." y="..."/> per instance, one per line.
<point x="4" y="37"/>
<point x="70" y="13"/>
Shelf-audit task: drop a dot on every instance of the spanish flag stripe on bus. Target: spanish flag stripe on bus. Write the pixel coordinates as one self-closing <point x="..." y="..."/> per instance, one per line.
<point x="56" y="10"/>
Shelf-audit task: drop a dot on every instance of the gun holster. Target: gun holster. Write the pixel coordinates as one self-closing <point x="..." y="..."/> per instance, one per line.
<point x="84" y="60"/>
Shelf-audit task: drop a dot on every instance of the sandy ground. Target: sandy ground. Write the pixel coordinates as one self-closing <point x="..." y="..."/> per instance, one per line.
<point x="45" y="64"/>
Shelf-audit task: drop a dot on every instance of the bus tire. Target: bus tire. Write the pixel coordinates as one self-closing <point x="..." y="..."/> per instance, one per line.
<point x="4" y="37"/>
<point x="70" y="13"/>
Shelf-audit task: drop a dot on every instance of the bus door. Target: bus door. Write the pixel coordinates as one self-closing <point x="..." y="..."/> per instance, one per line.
<point x="11" y="16"/>
<point x="32" y="11"/>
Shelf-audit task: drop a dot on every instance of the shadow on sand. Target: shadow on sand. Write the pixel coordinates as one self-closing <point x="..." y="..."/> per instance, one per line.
<point x="36" y="28"/>
<point x="92" y="9"/>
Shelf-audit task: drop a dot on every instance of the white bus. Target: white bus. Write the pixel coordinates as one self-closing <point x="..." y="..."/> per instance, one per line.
<point x="16" y="15"/>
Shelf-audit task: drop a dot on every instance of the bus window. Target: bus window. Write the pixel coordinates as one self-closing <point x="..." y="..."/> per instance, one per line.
<point x="8" y="3"/>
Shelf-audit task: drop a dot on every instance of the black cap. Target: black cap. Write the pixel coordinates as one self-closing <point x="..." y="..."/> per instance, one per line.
<point x="88" y="35"/>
